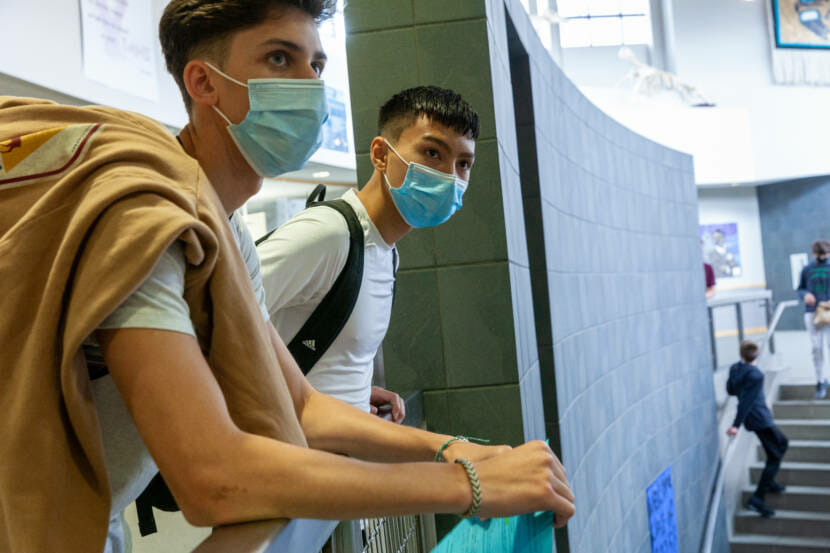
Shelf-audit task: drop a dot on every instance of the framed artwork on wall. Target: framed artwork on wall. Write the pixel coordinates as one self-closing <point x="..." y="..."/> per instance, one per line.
<point x="801" y="23"/>
<point x="721" y="249"/>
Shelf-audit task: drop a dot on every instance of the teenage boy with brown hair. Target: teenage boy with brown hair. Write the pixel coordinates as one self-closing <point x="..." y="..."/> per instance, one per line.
<point x="119" y="263"/>
<point x="747" y="382"/>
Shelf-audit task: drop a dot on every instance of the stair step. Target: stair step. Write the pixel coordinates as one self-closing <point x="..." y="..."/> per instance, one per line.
<point x="784" y="523"/>
<point x="753" y="543"/>
<point x="799" y="391"/>
<point x="796" y="498"/>
<point x="802" y="409"/>
<point x="796" y="474"/>
<point x="805" y="429"/>
<point x="804" y="451"/>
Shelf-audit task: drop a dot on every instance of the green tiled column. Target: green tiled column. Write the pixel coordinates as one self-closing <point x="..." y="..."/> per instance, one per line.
<point x="452" y="332"/>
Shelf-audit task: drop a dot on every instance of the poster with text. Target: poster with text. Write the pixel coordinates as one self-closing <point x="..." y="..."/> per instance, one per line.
<point x="721" y="250"/>
<point x="119" y="44"/>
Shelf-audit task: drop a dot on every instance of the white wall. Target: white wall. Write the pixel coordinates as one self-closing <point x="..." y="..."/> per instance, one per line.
<point x="723" y="46"/>
<point x="719" y="138"/>
<point x="738" y="205"/>
<point x="759" y="131"/>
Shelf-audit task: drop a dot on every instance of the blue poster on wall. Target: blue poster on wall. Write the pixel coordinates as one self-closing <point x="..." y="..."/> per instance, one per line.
<point x="662" y="520"/>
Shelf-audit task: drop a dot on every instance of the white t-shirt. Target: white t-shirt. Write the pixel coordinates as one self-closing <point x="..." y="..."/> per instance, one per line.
<point x="300" y="262"/>
<point x="159" y="304"/>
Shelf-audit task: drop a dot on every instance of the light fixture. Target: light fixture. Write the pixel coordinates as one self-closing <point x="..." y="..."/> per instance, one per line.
<point x="321" y="174"/>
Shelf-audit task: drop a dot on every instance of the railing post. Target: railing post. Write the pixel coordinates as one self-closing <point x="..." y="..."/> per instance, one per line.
<point x="347" y="538"/>
<point x="712" y="338"/>
<point x="739" y="313"/>
<point x="768" y="305"/>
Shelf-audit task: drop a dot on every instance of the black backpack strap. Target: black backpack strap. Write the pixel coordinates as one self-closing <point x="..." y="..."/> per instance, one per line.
<point x="317" y="195"/>
<point x="157" y="495"/>
<point x="329" y="318"/>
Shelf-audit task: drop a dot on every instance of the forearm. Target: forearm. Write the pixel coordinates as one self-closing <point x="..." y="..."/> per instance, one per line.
<point x="262" y="478"/>
<point x="331" y="425"/>
<point x="334" y="426"/>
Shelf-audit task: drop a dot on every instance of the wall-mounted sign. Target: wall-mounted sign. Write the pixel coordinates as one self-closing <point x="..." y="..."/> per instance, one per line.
<point x="119" y="45"/>
<point x="797" y="262"/>
<point x="662" y="520"/>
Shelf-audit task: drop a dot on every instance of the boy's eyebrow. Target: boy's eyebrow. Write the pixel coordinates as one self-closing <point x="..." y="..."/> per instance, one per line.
<point x="446" y="146"/>
<point x="293" y="46"/>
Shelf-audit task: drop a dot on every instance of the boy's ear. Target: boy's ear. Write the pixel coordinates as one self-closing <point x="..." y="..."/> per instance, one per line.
<point x="379" y="153"/>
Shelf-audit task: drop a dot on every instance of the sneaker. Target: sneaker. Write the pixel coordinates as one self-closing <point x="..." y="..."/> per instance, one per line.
<point x="775" y="487"/>
<point x="757" y="504"/>
<point x="821" y="389"/>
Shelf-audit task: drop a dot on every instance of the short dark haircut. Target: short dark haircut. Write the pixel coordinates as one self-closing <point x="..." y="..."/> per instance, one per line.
<point x="821" y="247"/>
<point x="749" y="351"/>
<point x="192" y="28"/>
<point x="438" y="104"/>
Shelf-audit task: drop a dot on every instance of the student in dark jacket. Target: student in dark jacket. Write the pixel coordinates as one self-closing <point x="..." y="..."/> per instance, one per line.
<point x="747" y="382"/>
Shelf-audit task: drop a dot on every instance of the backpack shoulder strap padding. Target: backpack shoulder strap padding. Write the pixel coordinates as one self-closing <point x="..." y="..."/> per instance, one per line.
<point x="331" y="315"/>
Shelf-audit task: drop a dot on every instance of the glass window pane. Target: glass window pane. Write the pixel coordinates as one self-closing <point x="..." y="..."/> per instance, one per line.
<point x="575" y="33"/>
<point x="635" y="6"/>
<point x="636" y="30"/>
<point x="605" y="7"/>
<point x="572" y="8"/>
<point x="606" y="31"/>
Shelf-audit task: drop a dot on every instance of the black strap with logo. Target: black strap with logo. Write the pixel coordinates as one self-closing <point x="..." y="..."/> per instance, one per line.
<point x="328" y="319"/>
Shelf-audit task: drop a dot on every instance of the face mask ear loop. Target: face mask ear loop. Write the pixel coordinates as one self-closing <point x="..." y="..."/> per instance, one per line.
<point x="231" y="79"/>
<point x="388" y="145"/>
<point x="396" y="152"/>
<point x="222" y="115"/>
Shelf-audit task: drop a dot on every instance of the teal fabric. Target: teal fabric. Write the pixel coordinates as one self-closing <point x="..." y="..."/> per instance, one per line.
<point x="531" y="533"/>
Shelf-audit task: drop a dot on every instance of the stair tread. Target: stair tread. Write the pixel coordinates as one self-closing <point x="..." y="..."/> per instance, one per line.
<point x="801" y="401"/>
<point x="805" y="422"/>
<point x="795" y="465"/>
<point x="809" y="443"/>
<point x="761" y="539"/>
<point x="811" y="490"/>
<point x="785" y="514"/>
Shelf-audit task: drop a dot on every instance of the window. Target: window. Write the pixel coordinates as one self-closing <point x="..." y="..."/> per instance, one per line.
<point x="604" y="22"/>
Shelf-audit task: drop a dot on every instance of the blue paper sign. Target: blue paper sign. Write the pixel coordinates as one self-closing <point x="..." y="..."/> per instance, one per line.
<point x="522" y="534"/>
<point x="661" y="516"/>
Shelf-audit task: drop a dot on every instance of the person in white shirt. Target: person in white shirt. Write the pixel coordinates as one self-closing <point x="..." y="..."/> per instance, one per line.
<point x="423" y="157"/>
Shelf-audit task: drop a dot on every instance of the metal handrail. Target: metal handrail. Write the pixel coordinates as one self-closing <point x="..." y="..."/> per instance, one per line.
<point x="737" y="300"/>
<point x="714" y="504"/>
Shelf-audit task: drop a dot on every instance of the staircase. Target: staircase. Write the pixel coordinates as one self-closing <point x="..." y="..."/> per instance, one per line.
<point x="802" y="513"/>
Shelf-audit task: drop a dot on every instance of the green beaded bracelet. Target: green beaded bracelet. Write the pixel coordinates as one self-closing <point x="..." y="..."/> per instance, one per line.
<point x="474" y="484"/>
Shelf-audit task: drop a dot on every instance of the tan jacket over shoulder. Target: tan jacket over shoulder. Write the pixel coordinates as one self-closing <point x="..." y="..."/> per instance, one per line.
<point x="89" y="200"/>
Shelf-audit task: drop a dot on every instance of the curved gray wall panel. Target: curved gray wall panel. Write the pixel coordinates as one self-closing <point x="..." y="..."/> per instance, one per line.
<point x="611" y="224"/>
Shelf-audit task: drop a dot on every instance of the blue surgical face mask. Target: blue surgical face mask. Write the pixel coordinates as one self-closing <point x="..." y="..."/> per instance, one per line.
<point x="427" y="197"/>
<point x="284" y="125"/>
